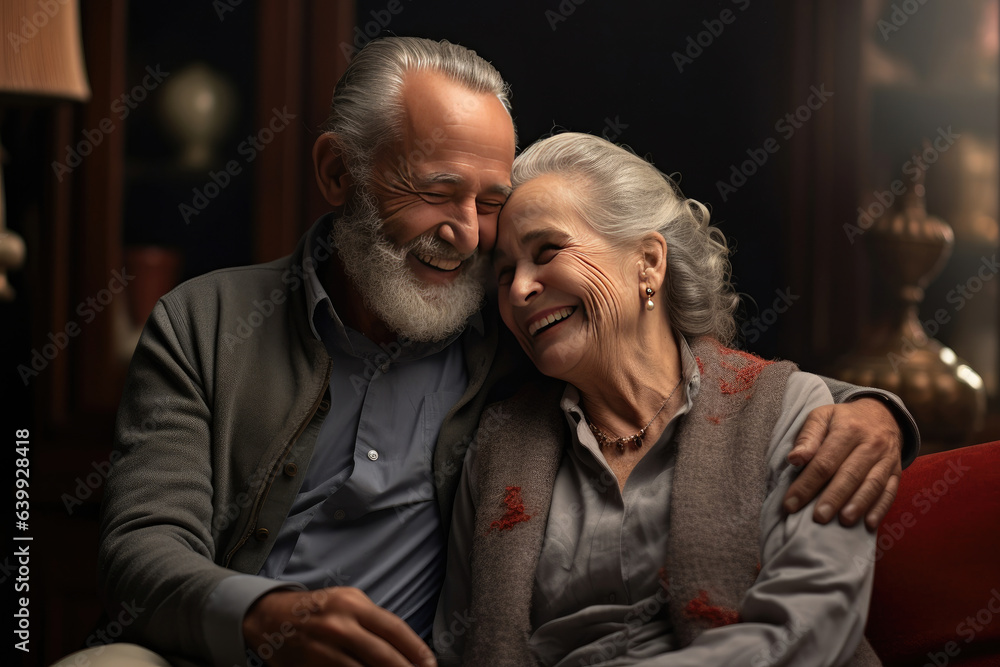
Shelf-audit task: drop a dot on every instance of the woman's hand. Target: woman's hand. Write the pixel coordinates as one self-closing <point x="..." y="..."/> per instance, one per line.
<point x="859" y="457"/>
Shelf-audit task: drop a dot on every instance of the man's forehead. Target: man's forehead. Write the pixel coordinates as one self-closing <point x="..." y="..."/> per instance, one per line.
<point x="453" y="139"/>
<point x="434" y="103"/>
<point x="428" y="93"/>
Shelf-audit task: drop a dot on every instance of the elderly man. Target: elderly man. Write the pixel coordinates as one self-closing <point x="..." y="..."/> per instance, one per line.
<point x="292" y="507"/>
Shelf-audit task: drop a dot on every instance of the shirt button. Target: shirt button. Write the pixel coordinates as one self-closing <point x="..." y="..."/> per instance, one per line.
<point x="261" y="534"/>
<point x="324" y="405"/>
<point x="291" y="469"/>
<point x="373" y="455"/>
<point x="385" y="368"/>
<point x="339" y="515"/>
<point x="611" y="598"/>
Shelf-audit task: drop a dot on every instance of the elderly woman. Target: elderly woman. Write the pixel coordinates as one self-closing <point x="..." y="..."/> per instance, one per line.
<point x="630" y="513"/>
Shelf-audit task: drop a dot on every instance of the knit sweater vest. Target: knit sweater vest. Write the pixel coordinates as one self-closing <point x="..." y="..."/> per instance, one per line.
<point x="719" y="486"/>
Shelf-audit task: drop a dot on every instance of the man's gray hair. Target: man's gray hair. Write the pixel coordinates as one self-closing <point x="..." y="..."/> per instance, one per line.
<point x="366" y="112"/>
<point x="623" y="197"/>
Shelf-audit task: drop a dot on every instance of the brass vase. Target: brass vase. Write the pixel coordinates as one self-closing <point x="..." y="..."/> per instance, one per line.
<point x="908" y="248"/>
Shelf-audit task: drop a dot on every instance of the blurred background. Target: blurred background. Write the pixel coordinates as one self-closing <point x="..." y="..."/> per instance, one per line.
<point x="848" y="150"/>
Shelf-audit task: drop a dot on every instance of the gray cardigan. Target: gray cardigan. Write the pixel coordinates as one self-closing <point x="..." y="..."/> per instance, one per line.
<point x="224" y="399"/>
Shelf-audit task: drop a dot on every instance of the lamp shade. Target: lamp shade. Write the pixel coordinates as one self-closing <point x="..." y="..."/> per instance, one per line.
<point x="42" y="52"/>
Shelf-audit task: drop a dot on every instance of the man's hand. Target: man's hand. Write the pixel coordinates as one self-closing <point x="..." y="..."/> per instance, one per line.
<point x="330" y="626"/>
<point x="861" y="450"/>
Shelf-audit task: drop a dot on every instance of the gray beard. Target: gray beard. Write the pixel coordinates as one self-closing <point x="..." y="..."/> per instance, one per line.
<point x="410" y="308"/>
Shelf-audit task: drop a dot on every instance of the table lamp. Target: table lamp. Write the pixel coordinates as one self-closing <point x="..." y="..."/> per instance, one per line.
<point x="41" y="59"/>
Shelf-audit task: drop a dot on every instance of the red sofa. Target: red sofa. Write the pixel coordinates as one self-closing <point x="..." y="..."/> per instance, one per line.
<point x="936" y="599"/>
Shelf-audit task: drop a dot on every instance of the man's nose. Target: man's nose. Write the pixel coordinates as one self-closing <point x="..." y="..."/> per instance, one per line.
<point x="462" y="230"/>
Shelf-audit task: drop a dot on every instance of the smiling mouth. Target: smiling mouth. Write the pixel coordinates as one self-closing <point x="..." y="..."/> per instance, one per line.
<point x="548" y="322"/>
<point x="439" y="263"/>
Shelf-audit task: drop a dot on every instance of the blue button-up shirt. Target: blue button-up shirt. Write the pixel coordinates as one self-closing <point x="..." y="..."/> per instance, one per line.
<point x="365" y="515"/>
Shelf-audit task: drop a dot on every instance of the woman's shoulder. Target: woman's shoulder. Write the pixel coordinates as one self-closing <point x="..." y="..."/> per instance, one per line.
<point x="533" y="409"/>
<point x="806" y="389"/>
<point x="804" y="392"/>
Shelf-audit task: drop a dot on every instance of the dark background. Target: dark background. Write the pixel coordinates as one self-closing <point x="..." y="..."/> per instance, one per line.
<point x="607" y="68"/>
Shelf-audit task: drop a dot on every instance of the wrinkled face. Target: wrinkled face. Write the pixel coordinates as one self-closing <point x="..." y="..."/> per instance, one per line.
<point x="448" y="176"/>
<point x="410" y="241"/>
<point x="565" y="292"/>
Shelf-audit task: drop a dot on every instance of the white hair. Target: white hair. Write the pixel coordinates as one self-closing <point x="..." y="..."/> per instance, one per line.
<point x="623" y="197"/>
<point x="412" y="309"/>
<point x="366" y="112"/>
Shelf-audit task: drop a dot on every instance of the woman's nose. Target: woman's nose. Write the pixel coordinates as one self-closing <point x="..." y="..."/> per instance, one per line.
<point x="524" y="287"/>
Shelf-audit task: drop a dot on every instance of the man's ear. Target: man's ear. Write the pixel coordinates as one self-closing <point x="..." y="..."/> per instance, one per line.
<point x="654" y="258"/>
<point x="332" y="176"/>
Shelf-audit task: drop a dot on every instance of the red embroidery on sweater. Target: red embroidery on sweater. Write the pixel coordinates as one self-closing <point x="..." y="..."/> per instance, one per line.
<point x="700" y="607"/>
<point x="515" y="511"/>
<point x="714" y="420"/>
<point x="701" y="367"/>
<point x="741" y="374"/>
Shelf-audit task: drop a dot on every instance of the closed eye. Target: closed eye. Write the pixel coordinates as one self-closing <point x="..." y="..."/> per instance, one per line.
<point x="489" y="205"/>
<point x="433" y="197"/>
<point x="504" y="273"/>
<point x="546" y="253"/>
<point x="505" y="277"/>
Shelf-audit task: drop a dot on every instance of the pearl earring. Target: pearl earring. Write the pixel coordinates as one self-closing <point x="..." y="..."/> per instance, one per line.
<point x="649" y="298"/>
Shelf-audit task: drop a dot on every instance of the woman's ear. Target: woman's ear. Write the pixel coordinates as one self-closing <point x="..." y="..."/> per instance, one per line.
<point x="332" y="176"/>
<point x="653" y="260"/>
